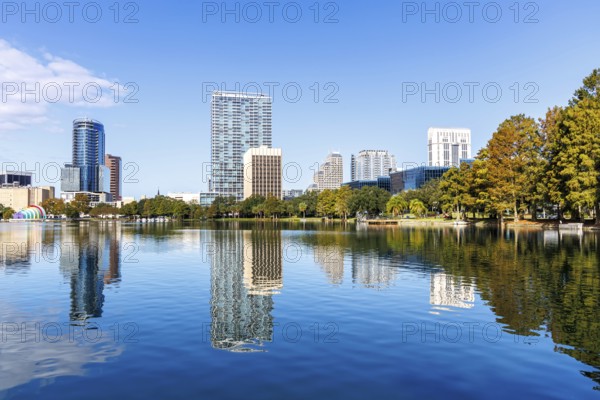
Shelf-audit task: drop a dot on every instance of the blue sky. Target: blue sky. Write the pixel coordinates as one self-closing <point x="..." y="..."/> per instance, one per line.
<point x="366" y="61"/>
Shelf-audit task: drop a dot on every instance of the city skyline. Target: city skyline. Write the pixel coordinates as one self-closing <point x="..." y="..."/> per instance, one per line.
<point x="176" y="102"/>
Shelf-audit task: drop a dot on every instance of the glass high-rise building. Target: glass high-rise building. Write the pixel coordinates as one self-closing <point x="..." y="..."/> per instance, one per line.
<point x="239" y="122"/>
<point x="88" y="159"/>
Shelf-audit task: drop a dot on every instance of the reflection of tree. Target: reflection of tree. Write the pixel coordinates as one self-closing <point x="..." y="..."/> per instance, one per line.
<point x="533" y="282"/>
<point x="531" y="288"/>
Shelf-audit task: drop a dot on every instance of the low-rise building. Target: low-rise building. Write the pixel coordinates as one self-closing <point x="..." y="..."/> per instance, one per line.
<point x="93" y="198"/>
<point x="190" y="198"/>
<point x="292" y="194"/>
<point x="15" y="178"/>
<point x="382" y="182"/>
<point x="415" y="178"/>
<point x="19" y="198"/>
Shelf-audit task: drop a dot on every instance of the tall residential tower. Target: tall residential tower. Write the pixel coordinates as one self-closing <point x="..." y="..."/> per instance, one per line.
<point x="239" y="122"/>
<point x="331" y="173"/>
<point x="372" y="164"/>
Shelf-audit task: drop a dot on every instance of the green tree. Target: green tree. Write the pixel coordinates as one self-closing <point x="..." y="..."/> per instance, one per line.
<point x="417" y="207"/>
<point x="326" y="203"/>
<point x="7" y="213"/>
<point x="342" y="201"/>
<point x="369" y="199"/>
<point x="81" y="203"/>
<point x="396" y="205"/>
<point x="54" y="206"/>
<point x="302" y="208"/>
<point x="272" y="206"/>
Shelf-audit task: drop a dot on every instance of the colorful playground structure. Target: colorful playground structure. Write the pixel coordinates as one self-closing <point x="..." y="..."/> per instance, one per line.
<point x="31" y="213"/>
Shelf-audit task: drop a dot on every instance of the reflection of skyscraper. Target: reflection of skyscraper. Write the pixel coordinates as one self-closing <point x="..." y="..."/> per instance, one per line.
<point x="447" y="290"/>
<point x="242" y="320"/>
<point x="372" y="270"/>
<point x="331" y="260"/>
<point x="90" y="257"/>
<point x="263" y="262"/>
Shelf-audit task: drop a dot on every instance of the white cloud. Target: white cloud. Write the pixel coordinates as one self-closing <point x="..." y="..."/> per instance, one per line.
<point x="31" y="86"/>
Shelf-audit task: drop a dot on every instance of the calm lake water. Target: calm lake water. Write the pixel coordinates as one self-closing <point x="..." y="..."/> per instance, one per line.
<point x="292" y="311"/>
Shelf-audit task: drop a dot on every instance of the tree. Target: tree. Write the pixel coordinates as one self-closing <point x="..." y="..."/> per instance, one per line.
<point x="130" y="209"/>
<point x="513" y="155"/>
<point x="81" y="203"/>
<point x="103" y="209"/>
<point x="417" y="207"/>
<point x="396" y="205"/>
<point x="342" y="201"/>
<point x="7" y="213"/>
<point x="302" y="208"/>
<point x="248" y="204"/>
<point x="54" y="206"/>
<point x="370" y="199"/>
<point x="326" y="203"/>
<point x="574" y="150"/>
<point x="272" y="206"/>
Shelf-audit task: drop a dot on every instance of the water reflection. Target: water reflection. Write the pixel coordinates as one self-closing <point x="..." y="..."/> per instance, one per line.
<point x="448" y="291"/>
<point x="246" y="271"/>
<point x="372" y="270"/>
<point x="45" y="347"/>
<point x="90" y="259"/>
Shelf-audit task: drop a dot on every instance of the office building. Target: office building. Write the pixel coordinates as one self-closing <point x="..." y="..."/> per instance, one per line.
<point x="15" y="178"/>
<point x="88" y="171"/>
<point x="383" y="182"/>
<point x="414" y="178"/>
<point x="371" y="164"/>
<point x="93" y="198"/>
<point x="447" y="146"/>
<point x="239" y="122"/>
<point x="115" y="166"/>
<point x="331" y="173"/>
<point x="207" y="198"/>
<point x="262" y="172"/>
<point x="292" y="194"/>
<point x="18" y="197"/>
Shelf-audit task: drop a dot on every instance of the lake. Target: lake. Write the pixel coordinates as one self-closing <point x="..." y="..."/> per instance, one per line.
<point x="265" y="310"/>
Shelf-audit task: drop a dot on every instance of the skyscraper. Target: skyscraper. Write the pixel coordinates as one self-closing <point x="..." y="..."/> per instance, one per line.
<point x="447" y="146"/>
<point x="262" y="172"/>
<point x="371" y="164"/>
<point x="331" y="173"/>
<point x="115" y="166"/>
<point x="87" y="172"/>
<point x="239" y="122"/>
